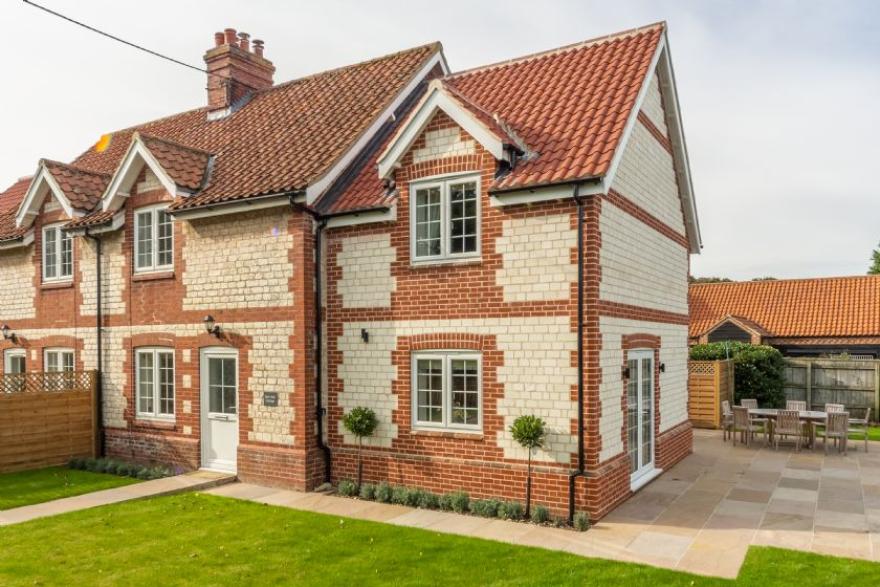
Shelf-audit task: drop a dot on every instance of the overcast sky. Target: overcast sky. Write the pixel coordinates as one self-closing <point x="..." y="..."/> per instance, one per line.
<point x="779" y="98"/>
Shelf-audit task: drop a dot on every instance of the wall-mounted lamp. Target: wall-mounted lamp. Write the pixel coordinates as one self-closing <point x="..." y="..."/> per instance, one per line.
<point x="625" y="373"/>
<point x="211" y="327"/>
<point x="663" y="367"/>
<point x="365" y="336"/>
<point x="7" y="333"/>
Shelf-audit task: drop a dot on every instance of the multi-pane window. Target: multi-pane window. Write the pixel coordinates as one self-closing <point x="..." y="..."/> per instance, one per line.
<point x="154" y="240"/>
<point x="222" y="385"/>
<point x="155" y="383"/>
<point x="14" y="362"/>
<point x="445" y="219"/>
<point x="447" y="390"/>
<point x="57" y="254"/>
<point x="58" y="360"/>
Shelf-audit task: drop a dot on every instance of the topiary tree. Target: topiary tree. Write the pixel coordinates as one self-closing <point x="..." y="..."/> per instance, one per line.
<point x="529" y="432"/>
<point x="361" y="422"/>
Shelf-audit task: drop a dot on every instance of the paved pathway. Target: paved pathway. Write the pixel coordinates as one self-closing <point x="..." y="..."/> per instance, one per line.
<point x="701" y="516"/>
<point x="198" y="480"/>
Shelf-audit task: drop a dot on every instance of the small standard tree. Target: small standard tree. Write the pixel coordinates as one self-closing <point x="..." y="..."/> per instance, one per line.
<point x="361" y="422"/>
<point x="529" y="432"/>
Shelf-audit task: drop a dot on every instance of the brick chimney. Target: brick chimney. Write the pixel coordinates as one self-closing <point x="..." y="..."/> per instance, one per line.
<point x="236" y="67"/>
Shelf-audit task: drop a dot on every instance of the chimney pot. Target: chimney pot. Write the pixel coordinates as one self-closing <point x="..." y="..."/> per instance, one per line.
<point x="230" y="36"/>
<point x="258" y="47"/>
<point x="244" y="44"/>
<point x="219" y="38"/>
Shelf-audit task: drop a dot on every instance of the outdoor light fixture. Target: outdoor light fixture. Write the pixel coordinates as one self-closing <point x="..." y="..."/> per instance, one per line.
<point x="7" y="333"/>
<point x="663" y="367"/>
<point x="625" y="373"/>
<point x="365" y="336"/>
<point x="210" y="326"/>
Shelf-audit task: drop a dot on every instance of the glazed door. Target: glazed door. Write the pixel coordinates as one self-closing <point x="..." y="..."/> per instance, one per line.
<point x="219" y="409"/>
<point x="640" y="413"/>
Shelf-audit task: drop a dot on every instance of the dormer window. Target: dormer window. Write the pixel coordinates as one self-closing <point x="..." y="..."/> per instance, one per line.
<point x="445" y="219"/>
<point x="153" y="240"/>
<point x="57" y="254"/>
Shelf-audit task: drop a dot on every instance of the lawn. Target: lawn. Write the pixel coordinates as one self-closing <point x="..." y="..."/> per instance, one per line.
<point x="197" y="539"/>
<point x="29" y="487"/>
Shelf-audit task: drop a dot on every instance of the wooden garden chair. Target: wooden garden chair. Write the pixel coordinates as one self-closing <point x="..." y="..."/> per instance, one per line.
<point x="726" y="420"/>
<point x="836" y="428"/>
<point x="752" y="404"/>
<point x="745" y="426"/>
<point x="796" y="405"/>
<point x="788" y="423"/>
<point x="860" y="426"/>
<point x="834" y="408"/>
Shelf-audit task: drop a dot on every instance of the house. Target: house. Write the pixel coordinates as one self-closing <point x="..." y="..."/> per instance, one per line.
<point x="450" y="250"/>
<point x="800" y="317"/>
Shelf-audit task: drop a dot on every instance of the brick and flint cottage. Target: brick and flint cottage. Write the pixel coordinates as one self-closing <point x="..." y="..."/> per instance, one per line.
<point x="452" y="250"/>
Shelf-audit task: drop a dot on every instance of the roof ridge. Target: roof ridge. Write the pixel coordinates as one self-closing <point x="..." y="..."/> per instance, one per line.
<point x="437" y="45"/>
<point x="661" y="24"/>
<point x="787" y="280"/>
<point x="153" y="137"/>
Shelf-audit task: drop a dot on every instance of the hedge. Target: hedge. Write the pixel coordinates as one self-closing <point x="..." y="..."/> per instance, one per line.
<point x="758" y="370"/>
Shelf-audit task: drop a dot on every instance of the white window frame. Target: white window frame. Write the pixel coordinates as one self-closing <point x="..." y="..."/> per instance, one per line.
<point x="443" y="182"/>
<point x="58" y="248"/>
<point x="10" y="354"/>
<point x="447" y="356"/>
<point x="154" y="265"/>
<point x="155" y="414"/>
<point x="60" y="351"/>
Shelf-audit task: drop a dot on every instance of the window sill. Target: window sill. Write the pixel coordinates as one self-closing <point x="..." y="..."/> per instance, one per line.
<point x="153" y="276"/>
<point x="415" y="264"/>
<point x="156" y="423"/>
<point x="56" y="284"/>
<point x="456" y="434"/>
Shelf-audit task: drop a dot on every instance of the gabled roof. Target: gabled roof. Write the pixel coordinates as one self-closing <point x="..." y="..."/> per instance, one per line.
<point x="744" y="323"/>
<point x="285" y="139"/>
<point x="187" y="166"/>
<point x="77" y="190"/>
<point x="10" y="200"/>
<point x="822" y="307"/>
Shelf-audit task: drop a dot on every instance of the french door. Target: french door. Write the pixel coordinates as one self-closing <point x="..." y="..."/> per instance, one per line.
<point x="640" y="413"/>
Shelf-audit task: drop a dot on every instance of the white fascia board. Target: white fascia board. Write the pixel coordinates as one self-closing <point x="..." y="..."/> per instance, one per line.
<point x="366" y="217"/>
<point x="222" y="209"/>
<point x="115" y="224"/>
<point x="127" y="173"/>
<point x="42" y="183"/>
<point x="545" y="194"/>
<point x="17" y="243"/>
<point x="437" y="99"/>
<point x="315" y="190"/>
<point x="683" y="170"/>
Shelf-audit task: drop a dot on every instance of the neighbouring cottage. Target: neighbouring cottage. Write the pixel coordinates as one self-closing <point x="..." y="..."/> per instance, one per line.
<point x="450" y="250"/>
<point x="818" y="317"/>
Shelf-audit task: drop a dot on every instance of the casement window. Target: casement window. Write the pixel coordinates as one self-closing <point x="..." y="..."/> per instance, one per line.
<point x="447" y="390"/>
<point x="154" y="381"/>
<point x="58" y="360"/>
<point x="445" y="219"/>
<point x="57" y="254"/>
<point x="14" y="361"/>
<point x="153" y="239"/>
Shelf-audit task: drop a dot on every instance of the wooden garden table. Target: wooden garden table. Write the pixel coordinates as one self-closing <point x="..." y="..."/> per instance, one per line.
<point x="811" y="416"/>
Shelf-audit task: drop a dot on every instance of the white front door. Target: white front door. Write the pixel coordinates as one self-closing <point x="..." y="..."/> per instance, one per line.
<point x="640" y="413"/>
<point x="219" y="408"/>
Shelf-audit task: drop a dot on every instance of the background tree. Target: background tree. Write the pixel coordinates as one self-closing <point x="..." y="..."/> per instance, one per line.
<point x="529" y="432"/>
<point x="692" y="279"/>
<point x="874" y="269"/>
<point x="361" y="422"/>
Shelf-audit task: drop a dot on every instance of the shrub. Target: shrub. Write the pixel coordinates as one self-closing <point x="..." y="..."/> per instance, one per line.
<point x="541" y="514"/>
<point x="123" y="469"/>
<point x="90" y="464"/>
<point x="511" y="510"/>
<point x="111" y="467"/>
<point x="400" y="495"/>
<point x="415" y="497"/>
<point x="368" y="491"/>
<point x="487" y="508"/>
<point x="76" y="463"/>
<point x="759" y="370"/>
<point x="383" y="492"/>
<point x="429" y="501"/>
<point x="581" y="522"/>
<point x="134" y="470"/>
<point x="347" y="488"/>
<point x="459" y="501"/>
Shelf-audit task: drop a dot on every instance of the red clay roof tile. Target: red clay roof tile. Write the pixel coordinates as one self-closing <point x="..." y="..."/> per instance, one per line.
<point x="10" y="199"/>
<point x="82" y="188"/>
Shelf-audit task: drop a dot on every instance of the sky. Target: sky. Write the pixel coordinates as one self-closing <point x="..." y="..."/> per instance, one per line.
<point x="779" y="98"/>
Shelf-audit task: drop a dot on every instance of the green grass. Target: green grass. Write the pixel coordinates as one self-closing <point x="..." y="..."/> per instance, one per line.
<point x="29" y="487"/>
<point x="197" y="539"/>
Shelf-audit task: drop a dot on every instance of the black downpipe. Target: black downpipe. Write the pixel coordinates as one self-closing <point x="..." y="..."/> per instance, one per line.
<point x="99" y="343"/>
<point x="580" y="353"/>
<point x="319" y="353"/>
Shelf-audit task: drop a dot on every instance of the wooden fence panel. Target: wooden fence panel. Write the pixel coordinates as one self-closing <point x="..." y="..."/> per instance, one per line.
<point x="45" y="428"/>
<point x="855" y="384"/>
<point x="709" y="383"/>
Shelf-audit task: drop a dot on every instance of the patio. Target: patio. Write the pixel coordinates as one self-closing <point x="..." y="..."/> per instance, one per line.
<point x="704" y="513"/>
